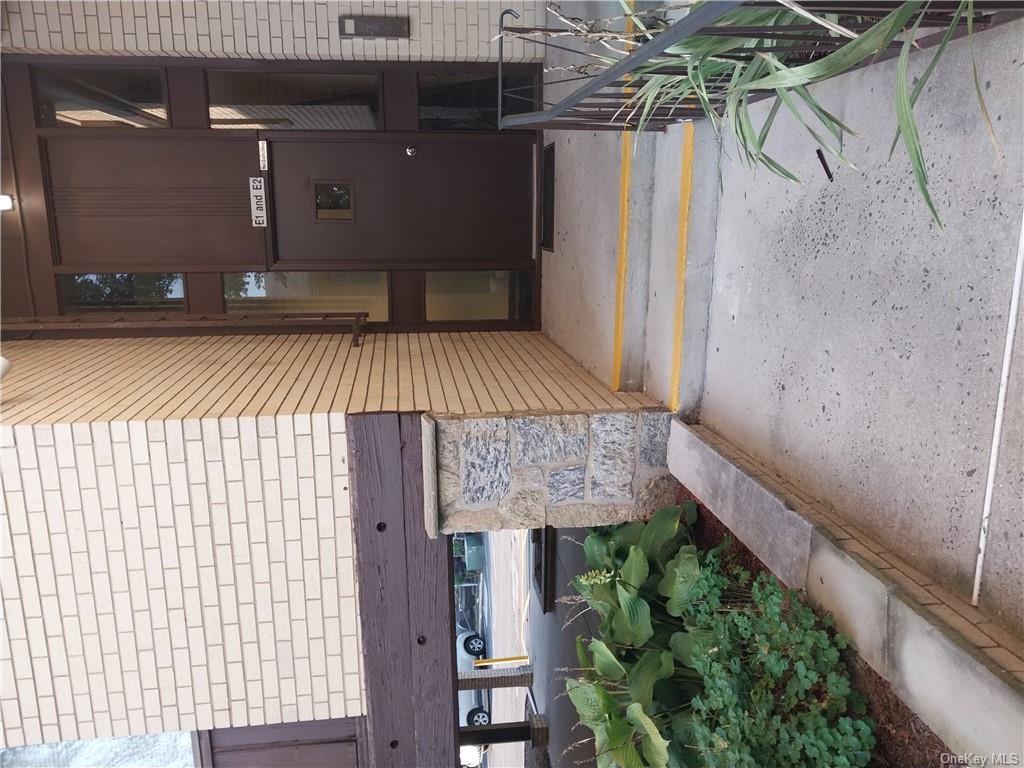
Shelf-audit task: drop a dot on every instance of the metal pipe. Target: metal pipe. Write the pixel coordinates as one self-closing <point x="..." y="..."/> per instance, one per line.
<point x="997" y="429"/>
<point x="501" y="54"/>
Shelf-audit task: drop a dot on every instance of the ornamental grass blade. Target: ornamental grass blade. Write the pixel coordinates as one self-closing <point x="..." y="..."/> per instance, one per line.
<point x="977" y="80"/>
<point x="870" y="42"/>
<point x="923" y="79"/>
<point x="908" y="128"/>
<point x="829" y="25"/>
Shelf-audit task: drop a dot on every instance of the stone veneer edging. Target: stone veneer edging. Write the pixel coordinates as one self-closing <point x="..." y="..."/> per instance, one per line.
<point x="943" y="657"/>
<point x="563" y="470"/>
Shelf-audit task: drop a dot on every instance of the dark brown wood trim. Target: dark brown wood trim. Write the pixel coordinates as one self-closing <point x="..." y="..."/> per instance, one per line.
<point x="204" y="293"/>
<point x="407" y="300"/>
<point x="422" y="137"/>
<point x="401" y="109"/>
<point x="282" y="734"/>
<point x="267" y="65"/>
<point x="405" y="598"/>
<point x="187" y="97"/>
<point x="431" y="612"/>
<point x="32" y="202"/>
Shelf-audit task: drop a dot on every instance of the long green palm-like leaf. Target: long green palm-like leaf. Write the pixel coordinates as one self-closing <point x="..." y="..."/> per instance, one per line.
<point x="907" y="126"/>
<point x="850" y="55"/>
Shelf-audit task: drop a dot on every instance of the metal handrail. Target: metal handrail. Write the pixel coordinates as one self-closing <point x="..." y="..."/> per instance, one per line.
<point x="700" y="17"/>
<point x="600" y="103"/>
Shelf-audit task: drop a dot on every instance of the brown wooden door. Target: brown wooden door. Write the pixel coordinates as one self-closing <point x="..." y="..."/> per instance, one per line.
<point x="311" y="744"/>
<point x="152" y="201"/>
<point x="421" y="202"/>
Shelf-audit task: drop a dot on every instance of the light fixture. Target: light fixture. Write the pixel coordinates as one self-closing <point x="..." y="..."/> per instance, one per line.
<point x="6" y="203"/>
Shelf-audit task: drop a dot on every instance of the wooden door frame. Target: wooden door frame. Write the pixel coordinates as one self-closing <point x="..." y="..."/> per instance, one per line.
<point x="406" y="600"/>
<point x="186" y="93"/>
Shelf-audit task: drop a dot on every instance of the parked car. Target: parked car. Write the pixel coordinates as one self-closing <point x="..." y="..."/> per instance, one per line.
<point x="473" y="709"/>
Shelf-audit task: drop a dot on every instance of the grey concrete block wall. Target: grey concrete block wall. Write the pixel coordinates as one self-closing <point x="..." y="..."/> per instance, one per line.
<point x="855" y="593"/>
<point x="774" y="532"/>
<point x="564" y="470"/>
<point x="962" y="674"/>
<point x="948" y="684"/>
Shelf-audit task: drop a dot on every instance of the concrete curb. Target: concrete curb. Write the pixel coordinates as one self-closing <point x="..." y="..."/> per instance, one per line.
<point x="960" y="673"/>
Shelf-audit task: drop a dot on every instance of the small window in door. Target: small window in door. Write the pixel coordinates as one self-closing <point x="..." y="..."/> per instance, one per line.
<point x="333" y="200"/>
<point x="293" y="101"/>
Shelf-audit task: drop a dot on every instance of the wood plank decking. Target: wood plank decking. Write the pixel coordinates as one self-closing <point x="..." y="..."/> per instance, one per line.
<point x="81" y="380"/>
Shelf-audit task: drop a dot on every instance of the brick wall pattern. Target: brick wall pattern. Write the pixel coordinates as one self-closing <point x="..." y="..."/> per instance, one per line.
<point x="176" y="575"/>
<point x="440" y="30"/>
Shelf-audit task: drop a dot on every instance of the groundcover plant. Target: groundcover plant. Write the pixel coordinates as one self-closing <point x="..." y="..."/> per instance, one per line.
<point x="695" y="664"/>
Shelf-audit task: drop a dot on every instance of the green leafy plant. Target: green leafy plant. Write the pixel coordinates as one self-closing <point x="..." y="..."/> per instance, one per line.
<point x="723" y="74"/>
<point x="693" y="666"/>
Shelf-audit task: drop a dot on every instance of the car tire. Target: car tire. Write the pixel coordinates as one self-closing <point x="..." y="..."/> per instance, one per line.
<point x="474" y="645"/>
<point x="478" y="716"/>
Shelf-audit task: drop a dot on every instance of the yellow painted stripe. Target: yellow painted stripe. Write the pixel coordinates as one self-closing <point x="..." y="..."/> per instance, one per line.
<point x="622" y="263"/>
<point x="685" y="190"/>
<point x="622" y="260"/>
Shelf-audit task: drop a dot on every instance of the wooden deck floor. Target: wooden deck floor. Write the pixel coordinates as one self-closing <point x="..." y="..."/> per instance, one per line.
<point x="76" y="380"/>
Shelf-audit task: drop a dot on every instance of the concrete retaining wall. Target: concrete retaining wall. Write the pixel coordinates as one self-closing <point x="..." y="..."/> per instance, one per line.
<point x="963" y="674"/>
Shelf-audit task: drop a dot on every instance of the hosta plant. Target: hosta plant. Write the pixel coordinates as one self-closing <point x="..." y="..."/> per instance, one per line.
<point x="693" y="667"/>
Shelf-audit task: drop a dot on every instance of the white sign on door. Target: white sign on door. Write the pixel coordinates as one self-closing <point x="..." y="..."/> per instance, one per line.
<point x="257" y="201"/>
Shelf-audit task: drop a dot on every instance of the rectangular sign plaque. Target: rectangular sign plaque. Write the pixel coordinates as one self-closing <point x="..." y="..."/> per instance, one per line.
<point x="257" y="201"/>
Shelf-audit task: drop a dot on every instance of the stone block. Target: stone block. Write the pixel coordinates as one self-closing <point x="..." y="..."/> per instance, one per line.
<point x="549" y="439"/>
<point x="586" y="514"/>
<point x="855" y="593"/>
<point x="466" y="520"/>
<point x="527" y="477"/>
<point x="449" y="435"/>
<point x="523" y="508"/>
<point x="428" y="437"/>
<point x="970" y="706"/>
<point x="660" y="491"/>
<point x="612" y="455"/>
<point x="485" y="471"/>
<point x="566" y="484"/>
<point x="766" y="523"/>
<point x="653" y="429"/>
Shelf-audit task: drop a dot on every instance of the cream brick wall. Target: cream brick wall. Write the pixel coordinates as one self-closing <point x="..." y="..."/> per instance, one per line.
<point x="170" y="575"/>
<point x="442" y="30"/>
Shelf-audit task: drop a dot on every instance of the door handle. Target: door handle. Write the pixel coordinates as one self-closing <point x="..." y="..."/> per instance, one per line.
<point x="411" y="150"/>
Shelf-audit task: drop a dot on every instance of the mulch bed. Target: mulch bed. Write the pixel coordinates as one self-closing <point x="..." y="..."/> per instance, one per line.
<point x="902" y="740"/>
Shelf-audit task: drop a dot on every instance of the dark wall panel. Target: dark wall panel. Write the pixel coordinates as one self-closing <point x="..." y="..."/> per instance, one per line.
<point x="137" y="203"/>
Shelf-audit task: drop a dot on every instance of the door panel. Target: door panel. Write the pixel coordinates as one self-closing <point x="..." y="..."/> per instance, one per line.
<point x="465" y="203"/>
<point x="154" y="203"/>
<point x="309" y="744"/>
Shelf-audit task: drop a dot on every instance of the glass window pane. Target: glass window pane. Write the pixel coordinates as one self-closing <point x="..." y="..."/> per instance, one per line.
<point x="158" y="750"/>
<point x="122" y="292"/>
<point x="333" y="200"/>
<point x="298" y="101"/>
<point x="313" y="292"/>
<point x="498" y="295"/>
<point x="100" y="98"/>
<point x="464" y="102"/>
